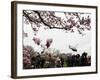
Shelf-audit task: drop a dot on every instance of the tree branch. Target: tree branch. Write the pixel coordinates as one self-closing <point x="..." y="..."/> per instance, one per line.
<point x="48" y="24"/>
<point x="27" y="16"/>
<point x="42" y="19"/>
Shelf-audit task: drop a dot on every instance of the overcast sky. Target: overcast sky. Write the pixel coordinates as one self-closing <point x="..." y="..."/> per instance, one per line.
<point x="61" y="39"/>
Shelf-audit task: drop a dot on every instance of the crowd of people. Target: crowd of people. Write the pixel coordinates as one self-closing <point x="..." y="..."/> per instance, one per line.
<point x="77" y="60"/>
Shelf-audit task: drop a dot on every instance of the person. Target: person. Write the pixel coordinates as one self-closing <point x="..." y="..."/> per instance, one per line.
<point x="33" y="62"/>
<point x="69" y="61"/>
<point x="58" y="62"/>
<point x="62" y="61"/>
<point x="77" y="60"/>
<point x="84" y="61"/>
<point x="42" y="62"/>
<point x="38" y="59"/>
<point x="89" y="60"/>
<point x="73" y="60"/>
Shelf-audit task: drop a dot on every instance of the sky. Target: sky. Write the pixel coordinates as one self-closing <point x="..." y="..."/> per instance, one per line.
<point x="61" y="39"/>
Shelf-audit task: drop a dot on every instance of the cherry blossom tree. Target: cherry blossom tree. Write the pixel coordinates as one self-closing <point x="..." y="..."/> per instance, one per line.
<point x="48" y="42"/>
<point x="36" y="40"/>
<point x="28" y="52"/>
<point x="53" y="21"/>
